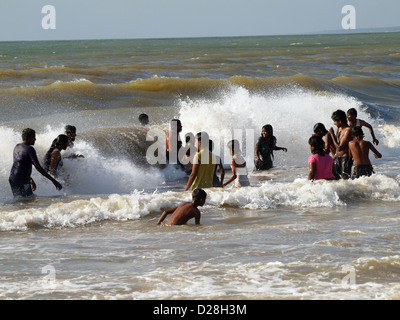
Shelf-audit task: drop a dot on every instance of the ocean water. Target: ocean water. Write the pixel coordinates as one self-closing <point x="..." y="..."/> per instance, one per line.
<point x="282" y="238"/>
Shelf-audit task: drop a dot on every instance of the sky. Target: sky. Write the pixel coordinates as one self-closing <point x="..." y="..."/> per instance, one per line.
<point x="109" y="19"/>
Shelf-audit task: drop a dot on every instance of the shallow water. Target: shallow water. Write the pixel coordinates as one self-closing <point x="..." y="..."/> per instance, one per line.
<point x="282" y="238"/>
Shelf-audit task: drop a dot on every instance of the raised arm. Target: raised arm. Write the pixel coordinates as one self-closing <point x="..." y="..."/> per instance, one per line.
<point x="371" y="130"/>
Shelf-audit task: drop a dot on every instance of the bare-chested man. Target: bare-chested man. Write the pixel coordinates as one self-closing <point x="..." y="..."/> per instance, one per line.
<point x="359" y="150"/>
<point x="343" y="161"/>
<point x="186" y="211"/>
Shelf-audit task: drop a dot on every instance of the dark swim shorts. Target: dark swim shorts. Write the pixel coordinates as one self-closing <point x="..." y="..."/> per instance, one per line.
<point x="343" y="166"/>
<point x="361" y="170"/>
<point x="24" y="190"/>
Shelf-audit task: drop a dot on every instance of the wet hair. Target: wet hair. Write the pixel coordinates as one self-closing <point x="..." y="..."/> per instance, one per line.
<point x="352" y="112"/>
<point x="27" y="133"/>
<point x="143" y="117"/>
<point x="318" y="144"/>
<point x="57" y="142"/>
<point x="234" y="145"/>
<point x="320" y="127"/>
<point x="339" y="115"/>
<point x="198" y="194"/>
<point x="178" y="122"/>
<point x="70" y="129"/>
<point x="202" y="135"/>
<point x="268" y="128"/>
<point x="356" y="131"/>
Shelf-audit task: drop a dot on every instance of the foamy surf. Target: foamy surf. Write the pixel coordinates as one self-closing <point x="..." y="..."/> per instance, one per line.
<point x="268" y="196"/>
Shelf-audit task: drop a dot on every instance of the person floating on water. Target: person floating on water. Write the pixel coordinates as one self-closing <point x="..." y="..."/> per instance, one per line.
<point x="53" y="160"/>
<point x="238" y="165"/>
<point x="359" y="150"/>
<point x="341" y="139"/>
<point x="24" y="156"/>
<point x="354" y="122"/>
<point x="186" y="211"/>
<point x="203" y="167"/>
<point x="320" y="163"/>
<point x="264" y="148"/>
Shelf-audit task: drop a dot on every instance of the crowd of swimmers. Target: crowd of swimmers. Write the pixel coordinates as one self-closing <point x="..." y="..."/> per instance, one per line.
<point x="335" y="155"/>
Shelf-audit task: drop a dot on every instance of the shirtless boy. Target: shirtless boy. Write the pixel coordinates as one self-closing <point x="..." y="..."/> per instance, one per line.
<point x="343" y="161"/>
<point x="359" y="149"/>
<point x="355" y="122"/>
<point x="186" y="211"/>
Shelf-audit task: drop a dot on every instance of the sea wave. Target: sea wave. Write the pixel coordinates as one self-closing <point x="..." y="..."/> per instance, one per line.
<point x="267" y="196"/>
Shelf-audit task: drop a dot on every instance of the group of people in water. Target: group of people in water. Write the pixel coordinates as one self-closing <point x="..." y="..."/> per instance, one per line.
<point x="335" y="155"/>
<point x="349" y="160"/>
<point x="350" y="152"/>
<point x="24" y="156"/>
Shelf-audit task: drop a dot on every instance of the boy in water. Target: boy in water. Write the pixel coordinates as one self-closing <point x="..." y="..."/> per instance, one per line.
<point x="359" y="149"/>
<point x="354" y="122"/>
<point x="24" y="156"/>
<point x="343" y="161"/>
<point x="186" y="211"/>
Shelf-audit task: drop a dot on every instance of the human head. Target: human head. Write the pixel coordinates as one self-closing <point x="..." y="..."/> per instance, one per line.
<point x="176" y="123"/>
<point x="144" y="119"/>
<point x="339" y="116"/>
<point x="202" y="137"/>
<point x="29" y="136"/>
<point x="62" y="141"/>
<point x="234" y="147"/>
<point x="316" y="145"/>
<point x="199" y="196"/>
<point x="357" y="132"/>
<point x="352" y="111"/>
<point x="70" y="131"/>
<point x="319" y="128"/>
<point x="267" y="131"/>
<point x="351" y="114"/>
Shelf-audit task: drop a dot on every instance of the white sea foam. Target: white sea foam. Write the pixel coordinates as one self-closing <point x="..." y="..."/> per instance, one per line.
<point x="267" y="196"/>
<point x="292" y="113"/>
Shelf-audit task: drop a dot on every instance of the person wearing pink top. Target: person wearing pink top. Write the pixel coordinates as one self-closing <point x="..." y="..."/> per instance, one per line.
<point x="320" y="163"/>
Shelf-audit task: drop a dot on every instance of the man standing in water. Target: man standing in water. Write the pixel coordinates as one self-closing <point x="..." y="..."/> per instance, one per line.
<point x="23" y="157"/>
<point x="203" y="167"/>
<point x="343" y="161"/>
